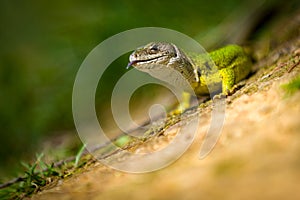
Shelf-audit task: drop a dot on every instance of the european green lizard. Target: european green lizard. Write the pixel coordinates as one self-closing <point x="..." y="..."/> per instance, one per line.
<point x="231" y="62"/>
<point x="232" y="65"/>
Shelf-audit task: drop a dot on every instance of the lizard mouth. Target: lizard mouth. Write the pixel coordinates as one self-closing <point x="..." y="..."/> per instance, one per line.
<point x="134" y="62"/>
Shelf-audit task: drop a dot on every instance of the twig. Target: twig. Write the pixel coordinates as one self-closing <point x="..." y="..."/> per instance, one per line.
<point x="293" y="66"/>
<point x="13" y="181"/>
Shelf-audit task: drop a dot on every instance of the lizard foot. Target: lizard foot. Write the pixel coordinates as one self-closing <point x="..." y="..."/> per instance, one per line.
<point x="235" y="88"/>
<point x="220" y="96"/>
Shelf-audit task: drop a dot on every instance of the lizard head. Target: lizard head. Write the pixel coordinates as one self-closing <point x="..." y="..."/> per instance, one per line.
<point x="162" y="55"/>
<point x="153" y="53"/>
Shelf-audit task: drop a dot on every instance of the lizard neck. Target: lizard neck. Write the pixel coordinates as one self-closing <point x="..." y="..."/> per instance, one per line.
<point x="185" y="65"/>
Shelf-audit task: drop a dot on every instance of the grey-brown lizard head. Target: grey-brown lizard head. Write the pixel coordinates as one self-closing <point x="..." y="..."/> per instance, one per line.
<point x="159" y="55"/>
<point x="153" y="53"/>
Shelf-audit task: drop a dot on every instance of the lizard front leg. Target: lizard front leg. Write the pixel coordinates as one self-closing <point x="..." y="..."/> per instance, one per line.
<point x="183" y="104"/>
<point x="228" y="80"/>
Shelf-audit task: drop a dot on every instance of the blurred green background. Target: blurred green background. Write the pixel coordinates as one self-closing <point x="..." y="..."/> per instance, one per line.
<point x="43" y="44"/>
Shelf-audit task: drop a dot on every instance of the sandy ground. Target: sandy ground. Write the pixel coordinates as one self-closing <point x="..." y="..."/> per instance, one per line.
<point x="256" y="157"/>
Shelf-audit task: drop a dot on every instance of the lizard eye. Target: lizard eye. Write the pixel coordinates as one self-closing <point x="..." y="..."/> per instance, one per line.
<point x="154" y="49"/>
